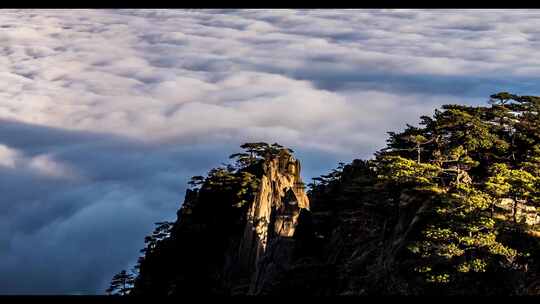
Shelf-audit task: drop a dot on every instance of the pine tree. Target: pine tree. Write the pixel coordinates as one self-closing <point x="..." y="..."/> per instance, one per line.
<point x="403" y="173"/>
<point x="161" y="232"/>
<point x="460" y="238"/>
<point x="121" y="284"/>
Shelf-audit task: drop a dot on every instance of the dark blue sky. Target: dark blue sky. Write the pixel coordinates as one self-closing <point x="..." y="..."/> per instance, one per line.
<point x="104" y="115"/>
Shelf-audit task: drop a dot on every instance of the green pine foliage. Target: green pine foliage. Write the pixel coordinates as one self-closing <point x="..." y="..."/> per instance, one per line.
<point x="462" y="163"/>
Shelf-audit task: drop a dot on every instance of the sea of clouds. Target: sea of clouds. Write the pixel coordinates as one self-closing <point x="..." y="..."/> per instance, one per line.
<point x="105" y="114"/>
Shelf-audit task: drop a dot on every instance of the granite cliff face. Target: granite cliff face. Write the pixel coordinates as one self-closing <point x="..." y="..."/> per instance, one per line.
<point x="219" y="249"/>
<point x="272" y="219"/>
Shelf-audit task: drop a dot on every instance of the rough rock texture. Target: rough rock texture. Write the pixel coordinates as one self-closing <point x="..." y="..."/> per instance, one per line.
<point x="272" y="219"/>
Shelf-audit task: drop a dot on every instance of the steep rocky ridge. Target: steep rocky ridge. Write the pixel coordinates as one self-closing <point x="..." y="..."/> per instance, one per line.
<point x="219" y="249"/>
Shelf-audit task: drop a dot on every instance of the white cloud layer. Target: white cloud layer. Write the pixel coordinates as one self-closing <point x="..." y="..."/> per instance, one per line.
<point x="105" y="113"/>
<point x="157" y="75"/>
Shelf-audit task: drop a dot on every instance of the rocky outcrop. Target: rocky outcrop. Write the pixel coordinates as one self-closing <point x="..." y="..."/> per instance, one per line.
<point x="217" y="246"/>
<point x="272" y="218"/>
<point x="267" y="245"/>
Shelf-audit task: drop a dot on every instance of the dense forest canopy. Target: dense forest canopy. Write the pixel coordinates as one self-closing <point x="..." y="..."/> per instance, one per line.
<point x="472" y="174"/>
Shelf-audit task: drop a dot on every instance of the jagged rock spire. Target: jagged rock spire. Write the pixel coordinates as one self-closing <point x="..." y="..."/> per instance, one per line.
<point x="272" y="217"/>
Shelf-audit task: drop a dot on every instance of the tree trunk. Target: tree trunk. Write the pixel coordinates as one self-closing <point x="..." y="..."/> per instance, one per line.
<point x="514" y="215"/>
<point x="458" y="174"/>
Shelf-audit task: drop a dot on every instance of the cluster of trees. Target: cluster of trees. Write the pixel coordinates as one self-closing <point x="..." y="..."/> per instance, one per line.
<point x="467" y="159"/>
<point x="463" y="162"/>
<point x="255" y="152"/>
<point x="241" y="177"/>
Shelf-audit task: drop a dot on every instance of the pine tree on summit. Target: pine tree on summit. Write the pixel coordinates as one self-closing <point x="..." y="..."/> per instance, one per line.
<point x="254" y="152"/>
